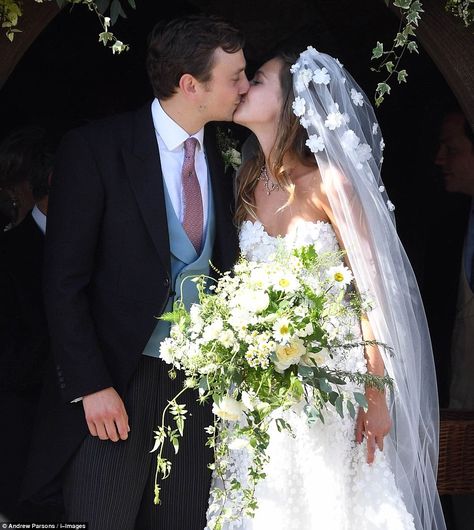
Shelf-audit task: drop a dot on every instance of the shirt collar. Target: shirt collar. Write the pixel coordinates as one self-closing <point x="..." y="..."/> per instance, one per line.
<point x="170" y="132"/>
<point x="40" y="218"/>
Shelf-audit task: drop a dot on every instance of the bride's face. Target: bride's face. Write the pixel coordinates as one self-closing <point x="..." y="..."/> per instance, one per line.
<point x="261" y="106"/>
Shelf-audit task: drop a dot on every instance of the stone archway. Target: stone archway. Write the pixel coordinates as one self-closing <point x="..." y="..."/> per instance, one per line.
<point x="36" y="16"/>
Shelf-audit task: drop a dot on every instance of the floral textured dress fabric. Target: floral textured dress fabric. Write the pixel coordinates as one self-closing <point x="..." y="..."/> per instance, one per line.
<point x="318" y="478"/>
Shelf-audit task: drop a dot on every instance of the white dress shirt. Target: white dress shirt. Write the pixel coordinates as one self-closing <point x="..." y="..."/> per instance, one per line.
<point x="171" y="137"/>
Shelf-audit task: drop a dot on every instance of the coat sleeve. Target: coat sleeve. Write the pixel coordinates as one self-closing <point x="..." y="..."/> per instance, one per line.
<point x="75" y="211"/>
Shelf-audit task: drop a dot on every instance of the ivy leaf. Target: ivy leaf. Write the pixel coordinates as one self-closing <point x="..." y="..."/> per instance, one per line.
<point x="402" y="76"/>
<point x="132" y="4"/>
<point x="377" y="52"/>
<point x="61" y="3"/>
<point x="383" y="88"/>
<point x="400" y="39"/>
<point x="412" y="47"/>
<point x="105" y="37"/>
<point x="389" y="66"/>
<point x="402" y="4"/>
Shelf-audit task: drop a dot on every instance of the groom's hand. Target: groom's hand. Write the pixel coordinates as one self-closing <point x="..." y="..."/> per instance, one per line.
<point x="106" y="415"/>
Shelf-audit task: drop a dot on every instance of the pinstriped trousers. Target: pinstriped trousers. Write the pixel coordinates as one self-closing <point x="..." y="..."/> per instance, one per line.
<point x="110" y="484"/>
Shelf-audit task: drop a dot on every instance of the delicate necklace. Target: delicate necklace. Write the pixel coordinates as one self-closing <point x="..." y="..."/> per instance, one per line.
<point x="268" y="183"/>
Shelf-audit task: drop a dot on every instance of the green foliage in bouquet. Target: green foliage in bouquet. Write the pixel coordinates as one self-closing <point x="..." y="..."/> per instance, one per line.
<point x="261" y="341"/>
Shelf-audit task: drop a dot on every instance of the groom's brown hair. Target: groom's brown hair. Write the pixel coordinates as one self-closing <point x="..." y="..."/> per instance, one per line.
<point x="186" y="46"/>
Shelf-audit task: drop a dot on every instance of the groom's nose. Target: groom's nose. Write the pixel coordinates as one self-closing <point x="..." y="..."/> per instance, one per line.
<point x="244" y="85"/>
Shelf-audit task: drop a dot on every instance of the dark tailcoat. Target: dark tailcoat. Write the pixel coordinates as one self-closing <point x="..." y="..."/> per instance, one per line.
<point x="107" y="271"/>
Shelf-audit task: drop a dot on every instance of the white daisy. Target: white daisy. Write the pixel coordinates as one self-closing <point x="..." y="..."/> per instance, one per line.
<point x="282" y="330"/>
<point x="340" y="275"/>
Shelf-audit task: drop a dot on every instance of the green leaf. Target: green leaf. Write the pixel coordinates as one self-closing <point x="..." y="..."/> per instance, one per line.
<point x="332" y="397"/>
<point x="175" y="442"/>
<point x="305" y="371"/>
<point x="383" y="88"/>
<point x="402" y="4"/>
<point x="401" y="39"/>
<point x="324" y="386"/>
<point x="377" y="52"/>
<point x="132" y="4"/>
<point x="402" y="76"/>
<point x="116" y="11"/>
<point x="412" y="47"/>
<point x="105" y="37"/>
<point x="350" y="408"/>
<point x="102" y="5"/>
<point x="361" y="400"/>
<point x="339" y="402"/>
<point x="389" y="66"/>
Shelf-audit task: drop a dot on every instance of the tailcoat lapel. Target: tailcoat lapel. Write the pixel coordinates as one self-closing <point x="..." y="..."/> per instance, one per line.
<point x="146" y="178"/>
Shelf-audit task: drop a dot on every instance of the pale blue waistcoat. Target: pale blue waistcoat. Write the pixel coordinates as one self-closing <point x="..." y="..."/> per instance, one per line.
<point x="184" y="263"/>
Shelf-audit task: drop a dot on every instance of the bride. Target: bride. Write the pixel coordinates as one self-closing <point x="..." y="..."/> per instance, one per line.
<point x="315" y="179"/>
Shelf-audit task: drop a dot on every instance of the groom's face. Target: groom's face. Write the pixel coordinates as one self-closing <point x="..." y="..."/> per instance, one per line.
<point x="223" y="92"/>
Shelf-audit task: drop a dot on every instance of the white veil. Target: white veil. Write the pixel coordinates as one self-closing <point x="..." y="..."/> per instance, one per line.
<point x="345" y="138"/>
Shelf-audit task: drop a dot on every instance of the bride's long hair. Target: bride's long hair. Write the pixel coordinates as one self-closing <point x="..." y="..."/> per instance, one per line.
<point x="290" y="140"/>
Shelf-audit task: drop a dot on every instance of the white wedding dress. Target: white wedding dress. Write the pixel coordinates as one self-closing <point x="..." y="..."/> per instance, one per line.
<point x="319" y="479"/>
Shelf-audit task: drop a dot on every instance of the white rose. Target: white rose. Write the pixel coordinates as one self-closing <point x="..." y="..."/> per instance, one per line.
<point x="319" y="358"/>
<point x="257" y="301"/>
<point x="288" y="354"/>
<point x="228" y="408"/>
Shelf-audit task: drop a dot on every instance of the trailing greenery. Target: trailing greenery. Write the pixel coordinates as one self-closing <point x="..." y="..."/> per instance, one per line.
<point x="388" y="60"/>
<point x="106" y="11"/>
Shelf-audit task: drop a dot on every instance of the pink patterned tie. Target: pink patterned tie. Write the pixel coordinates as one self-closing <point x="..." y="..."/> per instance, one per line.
<point x="193" y="213"/>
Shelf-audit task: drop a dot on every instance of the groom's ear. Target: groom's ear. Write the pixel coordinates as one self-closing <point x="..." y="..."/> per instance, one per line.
<point x="188" y="85"/>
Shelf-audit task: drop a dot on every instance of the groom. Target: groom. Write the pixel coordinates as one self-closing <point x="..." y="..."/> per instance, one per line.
<point x="138" y="202"/>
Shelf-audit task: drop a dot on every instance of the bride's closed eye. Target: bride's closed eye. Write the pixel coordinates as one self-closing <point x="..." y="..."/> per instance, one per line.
<point x="255" y="82"/>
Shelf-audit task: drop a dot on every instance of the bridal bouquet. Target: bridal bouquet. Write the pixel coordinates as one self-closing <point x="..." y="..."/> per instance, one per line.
<point x="262" y="340"/>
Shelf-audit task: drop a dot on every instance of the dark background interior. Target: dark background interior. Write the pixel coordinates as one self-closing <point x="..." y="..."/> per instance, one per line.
<point x="67" y="78"/>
